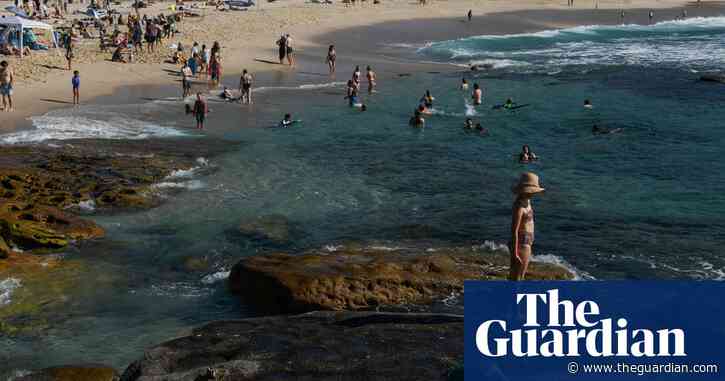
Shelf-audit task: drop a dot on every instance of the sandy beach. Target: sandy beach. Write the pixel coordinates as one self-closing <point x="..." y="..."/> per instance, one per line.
<point x="247" y="39"/>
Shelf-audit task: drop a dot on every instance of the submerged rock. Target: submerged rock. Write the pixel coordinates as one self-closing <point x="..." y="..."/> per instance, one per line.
<point x="273" y="228"/>
<point x="720" y="78"/>
<point x="314" y="346"/>
<point x="73" y="373"/>
<point x="364" y="278"/>
<point x="40" y="284"/>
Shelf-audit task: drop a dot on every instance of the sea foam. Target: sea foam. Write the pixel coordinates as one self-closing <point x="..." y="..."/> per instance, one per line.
<point x="65" y="127"/>
<point x="7" y="287"/>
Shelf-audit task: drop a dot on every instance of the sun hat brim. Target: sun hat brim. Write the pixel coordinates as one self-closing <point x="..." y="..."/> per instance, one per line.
<point x="527" y="189"/>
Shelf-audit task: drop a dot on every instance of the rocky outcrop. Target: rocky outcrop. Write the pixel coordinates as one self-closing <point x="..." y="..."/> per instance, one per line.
<point x="358" y="278"/>
<point x="37" y="227"/>
<point x="73" y="373"/>
<point x="314" y="346"/>
<point x="39" y="185"/>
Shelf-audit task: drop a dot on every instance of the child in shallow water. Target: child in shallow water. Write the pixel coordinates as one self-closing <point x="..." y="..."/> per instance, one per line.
<point x="522" y="225"/>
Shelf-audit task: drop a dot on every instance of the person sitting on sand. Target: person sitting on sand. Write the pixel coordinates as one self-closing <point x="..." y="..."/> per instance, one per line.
<point x="477" y="95"/>
<point x="522" y="225"/>
<point x="526" y="156"/>
<point x="416" y="120"/>
<point x="118" y="55"/>
<point x="227" y="94"/>
<point x="588" y="104"/>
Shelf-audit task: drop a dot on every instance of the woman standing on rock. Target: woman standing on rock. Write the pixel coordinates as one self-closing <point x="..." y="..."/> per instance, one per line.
<point x="522" y="225"/>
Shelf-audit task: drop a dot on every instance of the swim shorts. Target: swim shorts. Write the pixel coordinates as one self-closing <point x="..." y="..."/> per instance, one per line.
<point x="200" y="117"/>
<point x="6" y="89"/>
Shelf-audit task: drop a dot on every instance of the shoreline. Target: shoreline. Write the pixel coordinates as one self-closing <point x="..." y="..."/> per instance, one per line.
<point x="357" y="39"/>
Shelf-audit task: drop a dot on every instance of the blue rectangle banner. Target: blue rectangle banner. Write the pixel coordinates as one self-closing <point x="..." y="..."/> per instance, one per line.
<point x="610" y="330"/>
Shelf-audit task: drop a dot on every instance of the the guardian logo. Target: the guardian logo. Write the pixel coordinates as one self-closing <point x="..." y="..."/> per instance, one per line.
<point x="573" y="330"/>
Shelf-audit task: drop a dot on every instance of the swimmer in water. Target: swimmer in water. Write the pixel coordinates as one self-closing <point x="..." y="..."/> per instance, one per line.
<point x="596" y="130"/>
<point x="481" y="130"/>
<point x="423" y="110"/>
<point x="526" y="156"/>
<point x="372" y="80"/>
<point x="468" y="124"/>
<point x="477" y="94"/>
<point x="356" y="77"/>
<point x="588" y="104"/>
<point x="509" y="104"/>
<point x="287" y="121"/>
<point x="363" y="108"/>
<point x="352" y="92"/>
<point x="427" y="99"/>
<point x="417" y="120"/>
<point x="464" y="85"/>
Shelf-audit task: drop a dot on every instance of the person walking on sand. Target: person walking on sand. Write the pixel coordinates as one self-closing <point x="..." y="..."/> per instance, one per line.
<point x="470" y="15"/>
<point x="69" y="51"/>
<point x="216" y="68"/>
<point x="651" y="16"/>
<point x="7" y="79"/>
<point x="522" y="225"/>
<point x="76" y="83"/>
<point x="186" y="75"/>
<point x="282" y="44"/>
<point x="331" y="57"/>
<point x="290" y="50"/>
<point x="245" y="85"/>
<point x="372" y="82"/>
<point x="200" y="110"/>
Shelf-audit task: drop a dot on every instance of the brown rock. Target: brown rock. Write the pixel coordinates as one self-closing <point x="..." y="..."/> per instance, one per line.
<point x="355" y="279"/>
<point x="37" y="227"/>
<point x="73" y="373"/>
<point x="316" y="346"/>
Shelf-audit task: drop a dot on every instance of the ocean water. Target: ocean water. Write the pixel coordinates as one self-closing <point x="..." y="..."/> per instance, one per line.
<point x="644" y="203"/>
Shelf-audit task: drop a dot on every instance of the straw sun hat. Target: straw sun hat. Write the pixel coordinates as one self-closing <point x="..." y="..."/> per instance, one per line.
<point x="528" y="183"/>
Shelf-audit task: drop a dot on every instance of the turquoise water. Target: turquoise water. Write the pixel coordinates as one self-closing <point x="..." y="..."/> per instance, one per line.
<point x="640" y="204"/>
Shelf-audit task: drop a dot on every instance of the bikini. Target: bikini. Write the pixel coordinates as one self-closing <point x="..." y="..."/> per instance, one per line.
<point x="526" y="238"/>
